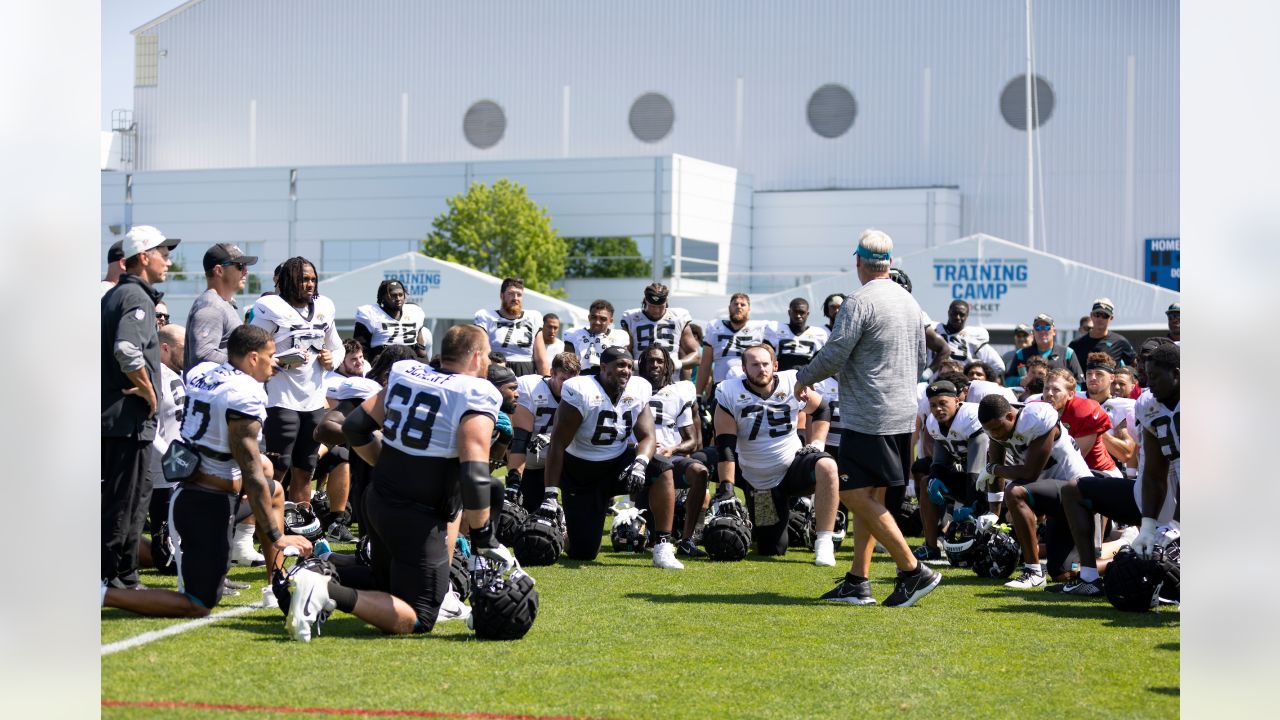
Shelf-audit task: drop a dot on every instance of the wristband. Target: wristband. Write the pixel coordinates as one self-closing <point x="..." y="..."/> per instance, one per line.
<point x="995" y="497"/>
<point x="273" y="535"/>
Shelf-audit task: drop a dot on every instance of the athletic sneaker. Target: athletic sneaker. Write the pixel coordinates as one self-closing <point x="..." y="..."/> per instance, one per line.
<point x="338" y="532"/>
<point x="1076" y="586"/>
<point x="686" y="548"/>
<point x="853" y="593"/>
<point x="452" y="608"/>
<point x="269" y="599"/>
<point x="824" y="552"/>
<point x="664" y="556"/>
<point x="310" y="598"/>
<point x="930" y="555"/>
<point x="1027" y="580"/>
<point x="910" y="587"/>
<point x="242" y="550"/>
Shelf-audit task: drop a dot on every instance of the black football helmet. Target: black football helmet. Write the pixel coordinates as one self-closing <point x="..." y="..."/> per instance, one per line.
<point x="727" y="534"/>
<point x="998" y="555"/>
<point x="300" y="519"/>
<point x="963" y="544"/>
<point x="802" y="523"/>
<point x="539" y="542"/>
<point x="501" y="608"/>
<point x="1133" y="583"/>
<point x="513" y="517"/>
<point x="900" y="277"/>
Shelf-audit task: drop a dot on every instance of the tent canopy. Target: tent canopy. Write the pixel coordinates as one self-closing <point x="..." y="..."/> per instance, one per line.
<point x="1004" y="284"/>
<point x="445" y="290"/>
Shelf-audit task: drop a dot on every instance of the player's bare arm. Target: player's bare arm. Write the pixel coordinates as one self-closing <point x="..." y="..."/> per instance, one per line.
<point x="244" y="448"/>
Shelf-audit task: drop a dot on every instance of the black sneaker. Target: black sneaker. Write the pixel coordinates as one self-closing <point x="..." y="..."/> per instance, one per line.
<point x="1082" y="588"/>
<point x="686" y="548"/>
<point x="930" y="555"/>
<point x="338" y="532"/>
<point x="853" y="593"/>
<point x="910" y="587"/>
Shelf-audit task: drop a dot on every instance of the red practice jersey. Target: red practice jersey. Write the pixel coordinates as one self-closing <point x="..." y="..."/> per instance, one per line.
<point x="1083" y="416"/>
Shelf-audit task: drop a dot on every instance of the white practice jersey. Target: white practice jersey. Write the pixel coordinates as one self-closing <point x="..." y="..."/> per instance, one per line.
<point x="979" y="389"/>
<point x="172" y="395"/>
<point x="922" y="415"/>
<point x="672" y="409"/>
<point x="1033" y="421"/>
<point x="589" y="347"/>
<point x="1165" y="425"/>
<point x="387" y="330"/>
<point x="963" y="427"/>
<point x="767" y="440"/>
<point x="971" y="343"/>
<point x="606" y="426"/>
<point x="727" y="344"/>
<point x="310" y="330"/>
<point x="830" y="389"/>
<point x="533" y="393"/>
<point x="513" y="338"/>
<point x="352" y="388"/>
<point x="664" y="332"/>
<point x="1123" y="410"/>
<point x="795" y="350"/>
<point x="424" y="408"/>
<point x="215" y="392"/>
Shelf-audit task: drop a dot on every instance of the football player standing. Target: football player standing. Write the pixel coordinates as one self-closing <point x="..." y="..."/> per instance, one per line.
<point x="654" y="323"/>
<point x="513" y="331"/>
<point x="796" y="341"/>
<point x="392" y="321"/>
<point x="725" y="341"/>
<point x="599" y="335"/>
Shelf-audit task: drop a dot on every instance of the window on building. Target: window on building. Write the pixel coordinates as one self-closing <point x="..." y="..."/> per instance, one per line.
<point x="699" y="260"/>
<point x="343" y="255"/>
<point x="145" y="58"/>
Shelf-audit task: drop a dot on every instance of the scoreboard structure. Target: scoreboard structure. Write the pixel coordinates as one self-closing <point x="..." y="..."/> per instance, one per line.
<point x="1163" y="263"/>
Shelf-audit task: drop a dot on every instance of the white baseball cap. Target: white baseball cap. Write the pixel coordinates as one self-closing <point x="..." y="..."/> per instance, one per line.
<point x="143" y="238"/>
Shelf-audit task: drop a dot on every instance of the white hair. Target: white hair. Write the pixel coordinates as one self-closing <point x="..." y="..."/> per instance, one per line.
<point x="876" y="241"/>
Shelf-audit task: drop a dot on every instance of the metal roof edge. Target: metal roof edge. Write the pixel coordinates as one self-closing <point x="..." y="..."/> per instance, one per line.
<point x="152" y="23"/>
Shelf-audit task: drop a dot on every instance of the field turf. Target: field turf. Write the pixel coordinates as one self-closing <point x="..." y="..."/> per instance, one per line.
<point x="617" y="638"/>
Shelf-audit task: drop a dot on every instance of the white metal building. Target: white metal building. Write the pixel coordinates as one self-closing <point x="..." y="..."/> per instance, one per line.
<point x="302" y="125"/>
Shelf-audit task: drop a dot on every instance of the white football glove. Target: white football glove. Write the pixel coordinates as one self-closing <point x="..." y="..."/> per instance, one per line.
<point x="1146" y="540"/>
<point x="986" y="522"/>
<point x="499" y="555"/>
<point x="987" y="482"/>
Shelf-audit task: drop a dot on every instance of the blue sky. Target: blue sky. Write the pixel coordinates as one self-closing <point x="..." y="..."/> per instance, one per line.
<point x="118" y="18"/>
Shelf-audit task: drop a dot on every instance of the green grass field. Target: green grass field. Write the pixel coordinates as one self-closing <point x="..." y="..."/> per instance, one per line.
<point x="617" y="638"/>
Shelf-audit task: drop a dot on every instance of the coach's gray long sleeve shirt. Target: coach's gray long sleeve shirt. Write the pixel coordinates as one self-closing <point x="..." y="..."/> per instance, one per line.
<point x="877" y="352"/>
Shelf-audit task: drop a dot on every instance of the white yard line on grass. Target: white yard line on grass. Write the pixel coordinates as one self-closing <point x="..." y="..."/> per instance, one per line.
<point x="154" y="635"/>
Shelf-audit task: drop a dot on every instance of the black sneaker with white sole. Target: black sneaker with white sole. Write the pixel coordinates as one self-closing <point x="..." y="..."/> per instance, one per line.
<point x="853" y="593"/>
<point x="1084" y="588"/>
<point x="686" y="548"/>
<point x="911" y="586"/>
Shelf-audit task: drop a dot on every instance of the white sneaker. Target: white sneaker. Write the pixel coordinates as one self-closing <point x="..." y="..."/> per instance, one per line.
<point x="269" y="598"/>
<point x="664" y="556"/>
<point x="310" y="598"/>
<point x="824" y="552"/>
<point x="452" y="608"/>
<point x="242" y="550"/>
<point x="1027" y="580"/>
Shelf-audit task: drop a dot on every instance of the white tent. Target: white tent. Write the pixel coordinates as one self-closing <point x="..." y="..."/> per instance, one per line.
<point x="1004" y="284"/>
<point x="448" y="292"/>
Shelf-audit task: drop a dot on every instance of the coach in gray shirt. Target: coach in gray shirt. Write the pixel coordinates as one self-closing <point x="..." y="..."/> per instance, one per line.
<point x="213" y="315"/>
<point x="877" y="350"/>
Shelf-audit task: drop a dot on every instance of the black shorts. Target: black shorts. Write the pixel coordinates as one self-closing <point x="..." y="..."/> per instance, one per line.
<point x="873" y="460"/>
<point x="799" y="480"/>
<point x="289" y="435"/>
<point x="588" y="488"/>
<point x="521" y="367"/>
<point x="407" y="545"/>
<point x="1044" y="496"/>
<point x="432" y="482"/>
<point x="1110" y="497"/>
<point x="200" y="525"/>
<point x="532" y="486"/>
<point x="706" y="458"/>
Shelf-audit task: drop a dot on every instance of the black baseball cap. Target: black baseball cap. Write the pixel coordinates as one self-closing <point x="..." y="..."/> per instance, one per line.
<point x="942" y="387"/>
<point x="116" y="252"/>
<point x="224" y="253"/>
<point x="501" y="375"/>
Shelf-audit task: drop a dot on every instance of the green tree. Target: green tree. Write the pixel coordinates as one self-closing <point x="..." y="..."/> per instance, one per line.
<point x="498" y="230"/>
<point x="605" y="257"/>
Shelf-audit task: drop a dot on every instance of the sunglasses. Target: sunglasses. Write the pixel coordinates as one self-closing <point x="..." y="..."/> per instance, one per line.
<point x="162" y="317"/>
<point x="1043" y="328"/>
<point x="1099" y="315"/>
<point x="237" y="265"/>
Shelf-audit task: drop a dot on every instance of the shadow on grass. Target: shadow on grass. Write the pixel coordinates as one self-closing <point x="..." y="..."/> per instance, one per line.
<point x="270" y="628"/>
<point x="1176" y="692"/>
<point x="759" y="598"/>
<point x="1081" y="608"/>
<point x="1176" y="646"/>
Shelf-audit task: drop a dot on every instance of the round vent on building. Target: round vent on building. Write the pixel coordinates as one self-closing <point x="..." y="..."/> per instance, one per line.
<point x="484" y="124"/>
<point x="1013" y="102"/>
<point x="651" y="117"/>
<point x="831" y="110"/>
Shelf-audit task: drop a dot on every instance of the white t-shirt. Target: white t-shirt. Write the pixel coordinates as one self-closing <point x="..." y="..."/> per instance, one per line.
<point x="172" y="395"/>
<point x="672" y="409"/>
<point x="424" y="408"/>
<point x="409" y="329"/>
<point x="606" y="426"/>
<point x="767" y="440"/>
<point x="308" y="329"/>
<point x="213" y="393"/>
<point x="533" y="393"/>
<point x="554" y="348"/>
<point x="830" y="390"/>
<point x="727" y="344"/>
<point x="513" y="338"/>
<point x="351" y="388"/>
<point x="589" y="347"/>
<point x="1033" y="421"/>
<point x="664" y="332"/>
